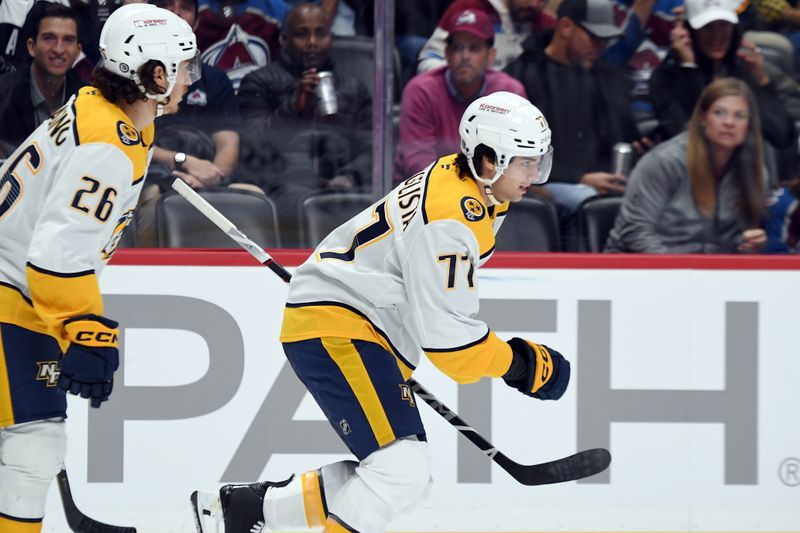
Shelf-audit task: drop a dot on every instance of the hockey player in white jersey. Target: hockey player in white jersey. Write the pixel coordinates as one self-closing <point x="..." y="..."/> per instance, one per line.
<point x="66" y="195"/>
<point x="397" y="279"/>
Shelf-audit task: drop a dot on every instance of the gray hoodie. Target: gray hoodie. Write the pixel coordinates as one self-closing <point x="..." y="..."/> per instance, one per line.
<point x="659" y="215"/>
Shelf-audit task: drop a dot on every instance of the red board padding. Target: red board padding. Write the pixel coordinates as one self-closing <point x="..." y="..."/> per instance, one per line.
<point x="291" y="258"/>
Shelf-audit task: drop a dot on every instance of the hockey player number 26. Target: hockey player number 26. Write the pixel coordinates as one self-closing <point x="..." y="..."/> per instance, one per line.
<point x="104" y="206"/>
<point x="11" y="182"/>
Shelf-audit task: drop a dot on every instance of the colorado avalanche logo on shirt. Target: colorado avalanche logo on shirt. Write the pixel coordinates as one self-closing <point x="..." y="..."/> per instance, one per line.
<point x="472" y="208"/>
<point x="127" y="134"/>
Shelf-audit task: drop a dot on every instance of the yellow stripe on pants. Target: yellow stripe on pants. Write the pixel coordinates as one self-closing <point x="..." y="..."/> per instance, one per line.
<point x="6" y="410"/>
<point x="312" y="499"/>
<point x="347" y="358"/>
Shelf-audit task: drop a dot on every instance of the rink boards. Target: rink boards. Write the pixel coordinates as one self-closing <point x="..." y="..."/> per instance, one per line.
<point x="687" y="369"/>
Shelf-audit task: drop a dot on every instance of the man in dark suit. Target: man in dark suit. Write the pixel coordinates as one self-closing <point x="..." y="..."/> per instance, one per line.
<point x="32" y="93"/>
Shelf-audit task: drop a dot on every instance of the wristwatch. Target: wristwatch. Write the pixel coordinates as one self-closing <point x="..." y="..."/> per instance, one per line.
<point x="180" y="159"/>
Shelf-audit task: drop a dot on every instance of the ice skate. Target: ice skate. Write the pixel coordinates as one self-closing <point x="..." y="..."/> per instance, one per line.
<point x="239" y="507"/>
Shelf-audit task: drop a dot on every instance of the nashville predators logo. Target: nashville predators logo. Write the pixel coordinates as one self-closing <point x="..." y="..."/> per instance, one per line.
<point x="473" y="209"/>
<point x="127" y="134"/>
<point x="119" y="229"/>
<point x="48" y="372"/>
<point x="406" y="395"/>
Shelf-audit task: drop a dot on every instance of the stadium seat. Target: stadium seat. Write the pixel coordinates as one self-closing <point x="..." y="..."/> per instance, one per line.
<point x="180" y="225"/>
<point x="355" y="57"/>
<point x="595" y="219"/>
<point x="531" y="225"/>
<point x="322" y="213"/>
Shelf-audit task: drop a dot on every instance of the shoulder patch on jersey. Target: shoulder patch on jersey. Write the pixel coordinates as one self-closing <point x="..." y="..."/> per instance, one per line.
<point x="472" y="208"/>
<point x="128" y="135"/>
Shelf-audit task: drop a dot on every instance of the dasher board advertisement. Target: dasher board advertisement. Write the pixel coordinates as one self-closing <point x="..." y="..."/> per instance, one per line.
<point x="686" y="369"/>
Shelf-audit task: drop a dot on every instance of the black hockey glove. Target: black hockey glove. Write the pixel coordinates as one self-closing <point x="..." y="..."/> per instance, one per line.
<point x="537" y="370"/>
<point x="88" y="365"/>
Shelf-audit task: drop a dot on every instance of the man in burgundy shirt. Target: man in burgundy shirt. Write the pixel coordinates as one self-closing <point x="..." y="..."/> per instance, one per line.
<point x="433" y="102"/>
<point x="513" y="22"/>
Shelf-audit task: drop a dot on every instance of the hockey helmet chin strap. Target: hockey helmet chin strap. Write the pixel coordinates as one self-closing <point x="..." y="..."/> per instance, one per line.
<point x="487" y="184"/>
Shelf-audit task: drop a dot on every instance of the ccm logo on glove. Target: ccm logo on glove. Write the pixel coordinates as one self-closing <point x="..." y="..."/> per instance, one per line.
<point x="537" y="370"/>
<point x="88" y="365"/>
<point x="104" y="337"/>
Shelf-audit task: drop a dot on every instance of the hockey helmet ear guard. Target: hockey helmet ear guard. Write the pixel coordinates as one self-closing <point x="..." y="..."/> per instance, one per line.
<point x="511" y="126"/>
<point x="137" y="33"/>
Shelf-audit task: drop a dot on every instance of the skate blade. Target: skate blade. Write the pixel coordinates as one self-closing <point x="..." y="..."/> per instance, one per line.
<point x="207" y="512"/>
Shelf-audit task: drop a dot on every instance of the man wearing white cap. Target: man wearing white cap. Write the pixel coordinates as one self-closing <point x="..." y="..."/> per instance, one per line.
<point x="711" y="47"/>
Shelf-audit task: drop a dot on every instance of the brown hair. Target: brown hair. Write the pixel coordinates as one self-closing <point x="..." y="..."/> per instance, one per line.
<point x="747" y="160"/>
<point x="116" y="89"/>
<point x="481" y="151"/>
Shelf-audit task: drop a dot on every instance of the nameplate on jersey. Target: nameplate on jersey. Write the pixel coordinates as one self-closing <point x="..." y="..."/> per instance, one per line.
<point x="472" y="208"/>
<point x="127" y="134"/>
<point x="408" y="198"/>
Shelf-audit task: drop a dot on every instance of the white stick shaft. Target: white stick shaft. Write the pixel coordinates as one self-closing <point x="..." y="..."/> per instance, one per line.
<point x="204" y="207"/>
<point x="220" y="220"/>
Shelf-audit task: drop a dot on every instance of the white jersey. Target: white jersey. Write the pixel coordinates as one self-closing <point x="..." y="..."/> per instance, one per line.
<point x="402" y="273"/>
<point x="66" y="195"/>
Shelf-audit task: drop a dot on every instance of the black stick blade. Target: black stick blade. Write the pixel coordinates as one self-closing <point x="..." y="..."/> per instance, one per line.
<point x="79" y="522"/>
<point x="581" y="465"/>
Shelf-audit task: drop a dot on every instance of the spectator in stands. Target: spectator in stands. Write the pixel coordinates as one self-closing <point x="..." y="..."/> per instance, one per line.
<point x="289" y="147"/>
<point x="704" y="190"/>
<point x="586" y="101"/>
<point x="339" y="12"/>
<point x="199" y="143"/>
<point x="433" y="102"/>
<point x="710" y="48"/>
<point x="32" y="93"/>
<point x="239" y="36"/>
<point x="513" y="20"/>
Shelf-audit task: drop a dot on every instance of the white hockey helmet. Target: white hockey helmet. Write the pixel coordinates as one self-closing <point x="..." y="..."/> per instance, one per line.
<point x="511" y="126"/>
<point x="137" y="33"/>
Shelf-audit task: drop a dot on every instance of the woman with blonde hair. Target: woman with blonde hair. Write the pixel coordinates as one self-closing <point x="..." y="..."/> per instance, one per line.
<point x="703" y="191"/>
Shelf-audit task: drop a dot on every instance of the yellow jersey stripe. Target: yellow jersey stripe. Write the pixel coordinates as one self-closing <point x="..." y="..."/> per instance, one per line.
<point x="20" y="525"/>
<point x="17" y="309"/>
<point x="315" y="320"/>
<point x="488" y="357"/>
<point x="6" y="410"/>
<point x="443" y="199"/>
<point x="347" y="358"/>
<point x="57" y="297"/>
<point x="312" y="498"/>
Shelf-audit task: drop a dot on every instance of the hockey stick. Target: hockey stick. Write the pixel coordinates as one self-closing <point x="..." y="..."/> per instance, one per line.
<point x="77" y="521"/>
<point x="580" y="465"/>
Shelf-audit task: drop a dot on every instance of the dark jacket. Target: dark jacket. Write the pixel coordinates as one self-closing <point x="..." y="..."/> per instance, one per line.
<point x="580" y="143"/>
<point x="674" y="91"/>
<point x="16" y="107"/>
<point x="303" y="148"/>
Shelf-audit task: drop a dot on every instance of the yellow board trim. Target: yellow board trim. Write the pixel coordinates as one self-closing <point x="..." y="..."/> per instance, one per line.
<point x="312" y="499"/>
<point x="347" y="358"/>
<point x="6" y="409"/>
<point x="14" y="526"/>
